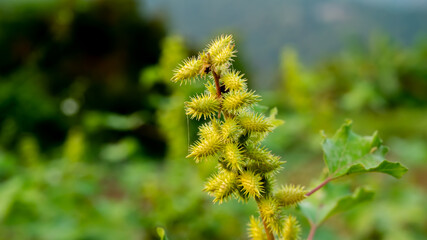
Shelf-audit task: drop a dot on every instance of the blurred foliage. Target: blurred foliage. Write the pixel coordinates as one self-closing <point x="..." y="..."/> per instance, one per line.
<point x="94" y="141"/>
<point x="93" y="137"/>
<point x="381" y="86"/>
<point x="82" y="58"/>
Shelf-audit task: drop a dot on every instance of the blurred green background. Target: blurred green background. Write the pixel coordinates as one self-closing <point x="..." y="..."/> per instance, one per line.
<point x="93" y="136"/>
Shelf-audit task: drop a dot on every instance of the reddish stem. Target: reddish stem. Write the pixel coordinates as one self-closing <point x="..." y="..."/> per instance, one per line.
<point x="313" y="228"/>
<point x="268" y="232"/>
<point x="319" y="187"/>
<point x="218" y="89"/>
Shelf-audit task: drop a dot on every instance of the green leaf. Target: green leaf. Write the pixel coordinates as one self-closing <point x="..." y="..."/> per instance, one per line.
<point x="8" y="193"/>
<point x="162" y="234"/>
<point x="259" y="108"/>
<point x="275" y="122"/>
<point x="331" y="200"/>
<point x="347" y="153"/>
<point x="360" y="196"/>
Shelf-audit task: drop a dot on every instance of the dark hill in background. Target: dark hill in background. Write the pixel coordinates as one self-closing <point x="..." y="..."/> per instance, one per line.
<point x="317" y="29"/>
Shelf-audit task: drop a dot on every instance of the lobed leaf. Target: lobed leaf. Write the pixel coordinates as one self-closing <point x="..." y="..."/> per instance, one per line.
<point x="347" y="153"/>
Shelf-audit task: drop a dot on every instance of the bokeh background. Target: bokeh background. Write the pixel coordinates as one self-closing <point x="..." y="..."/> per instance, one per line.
<point x="93" y="136"/>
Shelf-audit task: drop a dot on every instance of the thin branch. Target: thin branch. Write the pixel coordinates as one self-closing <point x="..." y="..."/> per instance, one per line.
<point x="319" y="187"/>
<point x="218" y="88"/>
<point x="313" y="228"/>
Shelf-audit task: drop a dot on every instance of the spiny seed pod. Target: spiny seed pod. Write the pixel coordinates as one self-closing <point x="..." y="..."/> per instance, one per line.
<point x="290" y="195"/>
<point x="210" y="88"/>
<point x="236" y="100"/>
<point x="213" y="183"/>
<point x="207" y="130"/>
<point x="205" y="148"/>
<point x="265" y="166"/>
<point x="229" y="130"/>
<point x="221" y="185"/>
<point x="233" y="81"/>
<point x="251" y="184"/>
<point x="233" y="137"/>
<point x="258" y="153"/>
<point x="202" y="105"/>
<point x="188" y="70"/>
<point x="270" y="212"/>
<point x="224" y="56"/>
<point x="291" y="229"/>
<point x="241" y="195"/>
<point x="217" y="45"/>
<point x="254" y="122"/>
<point x="233" y="157"/>
<point x="255" y="229"/>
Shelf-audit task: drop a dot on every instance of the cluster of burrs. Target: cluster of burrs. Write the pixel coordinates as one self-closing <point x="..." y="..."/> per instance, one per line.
<point x="232" y="135"/>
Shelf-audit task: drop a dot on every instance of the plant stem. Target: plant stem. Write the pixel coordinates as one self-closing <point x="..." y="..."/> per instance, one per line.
<point x="313" y="228"/>
<point x="319" y="187"/>
<point x="268" y="232"/>
<point x="218" y="89"/>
